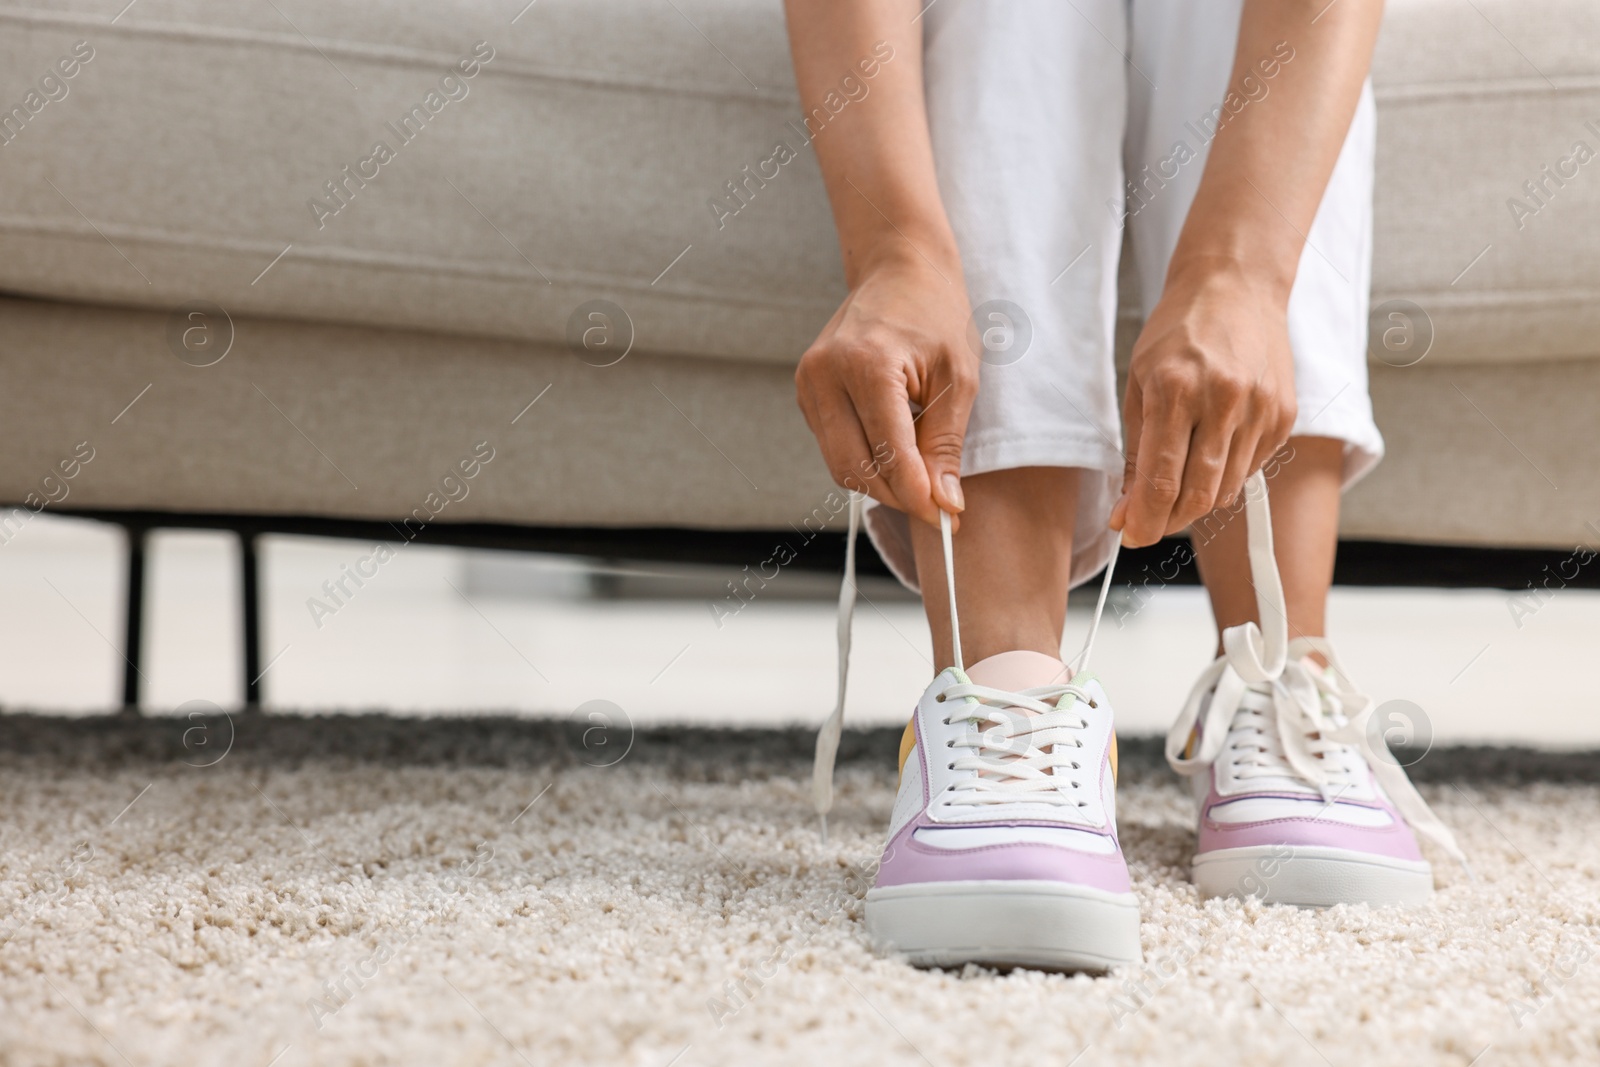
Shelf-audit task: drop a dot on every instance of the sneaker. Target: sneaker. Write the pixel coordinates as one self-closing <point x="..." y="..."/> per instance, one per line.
<point x="1296" y="804"/>
<point x="1002" y="847"/>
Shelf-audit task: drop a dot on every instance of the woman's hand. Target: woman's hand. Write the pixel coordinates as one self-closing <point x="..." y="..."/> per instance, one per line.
<point x="1210" y="398"/>
<point x="899" y="338"/>
<point x="1211" y="386"/>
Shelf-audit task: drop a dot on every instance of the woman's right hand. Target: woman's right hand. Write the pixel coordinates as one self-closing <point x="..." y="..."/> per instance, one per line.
<point x="899" y="339"/>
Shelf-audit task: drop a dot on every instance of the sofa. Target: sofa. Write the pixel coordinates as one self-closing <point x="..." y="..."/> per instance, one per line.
<point x="301" y="261"/>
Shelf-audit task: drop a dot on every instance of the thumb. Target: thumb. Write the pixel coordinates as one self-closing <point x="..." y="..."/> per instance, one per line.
<point x="1133" y="425"/>
<point x="941" y="431"/>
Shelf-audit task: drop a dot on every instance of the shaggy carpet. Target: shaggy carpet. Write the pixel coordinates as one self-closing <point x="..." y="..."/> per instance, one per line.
<point x="275" y="890"/>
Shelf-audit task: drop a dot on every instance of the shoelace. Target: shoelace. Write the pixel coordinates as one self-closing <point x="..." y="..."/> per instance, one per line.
<point x="1010" y="757"/>
<point x="1257" y="752"/>
<point x="1018" y="756"/>
<point x="1312" y="725"/>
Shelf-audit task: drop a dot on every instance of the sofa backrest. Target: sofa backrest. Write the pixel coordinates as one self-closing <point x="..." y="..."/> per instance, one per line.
<point x="463" y="169"/>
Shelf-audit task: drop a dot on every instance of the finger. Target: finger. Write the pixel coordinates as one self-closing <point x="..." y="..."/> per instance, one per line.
<point x="1241" y="463"/>
<point x="1133" y="425"/>
<point x="1254" y="451"/>
<point x="808" y="406"/>
<point x="844" y="447"/>
<point x="941" y="429"/>
<point x="1163" y="447"/>
<point x="1272" y="442"/>
<point x="884" y="410"/>
<point x="1202" y="472"/>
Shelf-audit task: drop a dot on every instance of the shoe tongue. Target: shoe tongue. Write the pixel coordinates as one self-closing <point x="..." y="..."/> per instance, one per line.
<point x="1013" y="671"/>
<point x="1021" y="669"/>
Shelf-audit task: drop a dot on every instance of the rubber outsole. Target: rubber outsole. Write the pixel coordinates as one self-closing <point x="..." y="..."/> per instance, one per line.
<point x="1044" y="925"/>
<point x="1311" y="877"/>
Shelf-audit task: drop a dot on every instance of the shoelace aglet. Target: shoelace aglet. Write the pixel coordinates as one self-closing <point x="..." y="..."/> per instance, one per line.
<point x="823" y="819"/>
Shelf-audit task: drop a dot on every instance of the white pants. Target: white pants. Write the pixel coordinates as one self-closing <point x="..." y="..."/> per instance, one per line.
<point x="1047" y="141"/>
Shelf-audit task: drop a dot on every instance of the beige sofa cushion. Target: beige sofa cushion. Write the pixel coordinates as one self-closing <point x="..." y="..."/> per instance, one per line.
<point x="1475" y="99"/>
<point x="577" y="166"/>
<point x="352" y="422"/>
<point x="313" y="419"/>
<point x="581" y="160"/>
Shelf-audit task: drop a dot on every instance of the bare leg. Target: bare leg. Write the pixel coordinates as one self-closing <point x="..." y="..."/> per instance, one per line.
<point x="1013" y="564"/>
<point x="1304" y="490"/>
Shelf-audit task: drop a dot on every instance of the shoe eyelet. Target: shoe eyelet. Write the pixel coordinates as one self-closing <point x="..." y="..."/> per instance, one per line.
<point x="1092" y="704"/>
<point x="939" y="699"/>
<point x="945" y="721"/>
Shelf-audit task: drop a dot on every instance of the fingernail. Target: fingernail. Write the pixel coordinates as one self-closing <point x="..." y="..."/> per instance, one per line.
<point x="952" y="491"/>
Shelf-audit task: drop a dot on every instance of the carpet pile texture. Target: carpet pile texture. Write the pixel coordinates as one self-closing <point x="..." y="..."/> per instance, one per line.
<point x="279" y="890"/>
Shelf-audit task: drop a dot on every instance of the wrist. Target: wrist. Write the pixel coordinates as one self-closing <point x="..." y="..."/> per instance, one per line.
<point x="916" y="246"/>
<point x="1253" y="275"/>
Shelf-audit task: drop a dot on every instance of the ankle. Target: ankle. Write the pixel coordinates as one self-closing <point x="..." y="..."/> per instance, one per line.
<point x="976" y="650"/>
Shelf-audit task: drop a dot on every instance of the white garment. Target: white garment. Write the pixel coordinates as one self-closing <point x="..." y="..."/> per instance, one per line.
<point x="1041" y="127"/>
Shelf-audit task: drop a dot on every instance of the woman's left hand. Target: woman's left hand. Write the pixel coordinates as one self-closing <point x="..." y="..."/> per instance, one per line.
<point x="1210" y="398"/>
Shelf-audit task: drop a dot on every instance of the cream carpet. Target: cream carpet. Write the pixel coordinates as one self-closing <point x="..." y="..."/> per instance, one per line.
<point x="367" y="890"/>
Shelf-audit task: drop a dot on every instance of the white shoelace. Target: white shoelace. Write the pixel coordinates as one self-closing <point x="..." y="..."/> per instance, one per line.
<point x="1286" y="718"/>
<point x="1020" y="755"/>
<point x="1022" y="746"/>
<point x="1256" y="751"/>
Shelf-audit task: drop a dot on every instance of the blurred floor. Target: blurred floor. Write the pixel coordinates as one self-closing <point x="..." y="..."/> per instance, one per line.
<point x="444" y="630"/>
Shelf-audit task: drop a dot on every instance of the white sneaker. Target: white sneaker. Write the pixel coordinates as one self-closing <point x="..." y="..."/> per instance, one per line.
<point x="1296" y="805"/>
<point x="1002" y="845"/>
